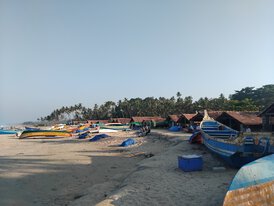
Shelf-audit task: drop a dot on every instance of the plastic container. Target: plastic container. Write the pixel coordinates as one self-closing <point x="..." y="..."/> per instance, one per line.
<point x="189" y="163"/>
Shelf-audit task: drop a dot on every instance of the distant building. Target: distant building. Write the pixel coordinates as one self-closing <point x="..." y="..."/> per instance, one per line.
<point x="185" y="119"/>
<point x="98" y="121"/>
<point x="172" y="120"/>
<point x="121" y="120"/>
<point x="268" y="118"/>
<point x="142" y="119"/>
<point x="214" y="114"/>
<point x="75" y="122"/>
<point x="152" y="121"/>
<point x="198" y="117"/>
<point x="241" y="121"/>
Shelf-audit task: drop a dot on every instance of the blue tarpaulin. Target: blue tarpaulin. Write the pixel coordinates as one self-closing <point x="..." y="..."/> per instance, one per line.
<point x="175" y="128"/>
<point x="98" y="137"/>
<point x="82" y="130"/>
<point x="83" y="136"/>
<point x="128" y="142"/>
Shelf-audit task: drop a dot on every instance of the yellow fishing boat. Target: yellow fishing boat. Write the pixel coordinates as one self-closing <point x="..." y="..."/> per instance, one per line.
<point x="44" y="133"/>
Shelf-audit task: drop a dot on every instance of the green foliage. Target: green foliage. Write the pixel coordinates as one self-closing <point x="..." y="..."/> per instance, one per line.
<point x="261" y="97"/>
<point x="246" y="99"/>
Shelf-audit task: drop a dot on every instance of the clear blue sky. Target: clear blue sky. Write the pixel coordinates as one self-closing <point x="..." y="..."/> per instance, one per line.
<point x="63" y="52"/>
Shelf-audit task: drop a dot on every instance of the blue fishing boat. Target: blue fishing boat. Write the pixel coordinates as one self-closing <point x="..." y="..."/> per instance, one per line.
<point x="32" y="128"/>
<point x="236" y="148"/>
<point x="2" y="131"/>
<point x="253" y="184"/>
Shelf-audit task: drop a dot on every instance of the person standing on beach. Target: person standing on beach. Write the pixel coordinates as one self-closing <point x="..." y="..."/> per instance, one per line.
<point x="248" y="129"/>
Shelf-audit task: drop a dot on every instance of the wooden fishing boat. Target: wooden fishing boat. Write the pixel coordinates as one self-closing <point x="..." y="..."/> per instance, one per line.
<point x="115" y="126"/>
<point x="253" y="184"/>
<point x="44" y="133"/>
<point x="232" y="146"/>
<point x="58" y="127"/>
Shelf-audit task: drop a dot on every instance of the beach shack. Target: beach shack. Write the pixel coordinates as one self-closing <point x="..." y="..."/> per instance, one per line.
<point x="240" y="121"/>
<point x="120" y="120"/>
<point x="172" y="120"/>
<point x="98" y="121"/>
<point x="76" y="122"/>
<point x="214" y="114"/>
<point x="185" y="119"/>
<point x="151" y="121"/>
<point x="267" y="116"/>
<point x="197" y="118"/>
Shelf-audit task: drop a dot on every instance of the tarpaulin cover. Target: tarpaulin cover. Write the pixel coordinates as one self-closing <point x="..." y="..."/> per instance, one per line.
<point x="98" y="137"/>
<point x="83" y="136"/>
<point x="175" y="128"/>
<point x="128" y="142"/>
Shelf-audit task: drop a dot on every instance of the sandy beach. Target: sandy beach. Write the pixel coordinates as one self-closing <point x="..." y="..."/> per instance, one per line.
<point x="70" y="171"/>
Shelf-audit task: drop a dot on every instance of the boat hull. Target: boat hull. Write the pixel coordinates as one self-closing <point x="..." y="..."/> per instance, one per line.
<point x="234" y="155"/>
<point x="44" y="133"/>
<point x="253" y="184"/>
<point x="7" y="132"/>
<point x="236" y="149"/>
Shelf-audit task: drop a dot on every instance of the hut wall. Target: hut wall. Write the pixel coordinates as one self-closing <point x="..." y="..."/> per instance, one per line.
<point x="230" y="122"/>
<point x="183" y="122"/>
<point x="268" y="123"/>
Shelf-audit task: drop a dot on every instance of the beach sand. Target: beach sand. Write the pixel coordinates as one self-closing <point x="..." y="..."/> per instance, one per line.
<point x="74" y="172"/>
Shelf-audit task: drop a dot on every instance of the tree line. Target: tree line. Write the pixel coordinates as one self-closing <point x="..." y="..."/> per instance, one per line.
<point x="246" y="99"/>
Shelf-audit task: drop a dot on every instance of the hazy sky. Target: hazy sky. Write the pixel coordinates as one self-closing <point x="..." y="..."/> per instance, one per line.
<point x="57" y="53"/>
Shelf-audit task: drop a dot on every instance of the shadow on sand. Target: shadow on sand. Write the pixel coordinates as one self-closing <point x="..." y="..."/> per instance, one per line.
<point x="38" y="180"/>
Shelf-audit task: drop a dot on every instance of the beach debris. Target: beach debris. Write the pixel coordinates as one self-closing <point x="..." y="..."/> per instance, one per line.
<point x="144" y="131"/>
<point x="218" y="169"/>
<point x="140" y="168"/>
<point x="78" y="196"/>
<point x="149" y="155"/>
<point x="128" y="142"/>
<point x="98" y="137"/>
